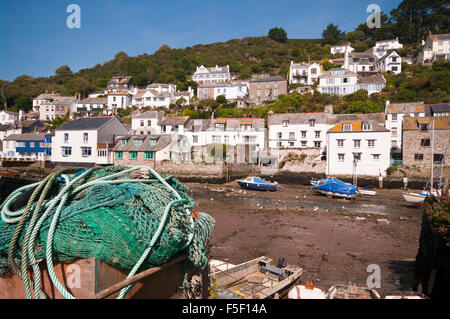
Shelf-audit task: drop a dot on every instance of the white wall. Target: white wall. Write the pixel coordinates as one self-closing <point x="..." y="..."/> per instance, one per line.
<point x="367" y="165"/>
<point x="76" y="141"/>
<point x="297" y="129"/>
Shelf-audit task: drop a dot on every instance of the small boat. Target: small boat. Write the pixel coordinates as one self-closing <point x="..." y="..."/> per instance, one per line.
<point x="366" y="192"/>
<point x="257" y="183"/>
<point x="403" y="295"/>
<point x="256" y="279"/>
<point x="306" y="291"/>
<point x="218" y="265"/>
<point x="352" y="292"/>
<point x="415" y="198"/>
<point x="336" y="188"/>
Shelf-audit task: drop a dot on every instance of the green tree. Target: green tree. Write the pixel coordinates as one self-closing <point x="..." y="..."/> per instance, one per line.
<point x="278" y="34"/>
<point x="332" y="34"/>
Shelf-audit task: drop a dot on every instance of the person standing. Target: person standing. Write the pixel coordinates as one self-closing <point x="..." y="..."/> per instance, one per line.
<point x="405" y="182"/>
<point x="380" y="182"/>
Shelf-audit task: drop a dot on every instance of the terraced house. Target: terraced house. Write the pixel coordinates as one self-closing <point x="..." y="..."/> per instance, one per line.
<point x="28" y="146"/>
<point x="266" y="88"/>
<point x="218" y="74"/>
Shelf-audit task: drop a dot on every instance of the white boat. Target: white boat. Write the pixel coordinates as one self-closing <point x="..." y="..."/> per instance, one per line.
<point x="415" y="198"/>
<point x="366" y="192"/>
<point x="306" y="291"/>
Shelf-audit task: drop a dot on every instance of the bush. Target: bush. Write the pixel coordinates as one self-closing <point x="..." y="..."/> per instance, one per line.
<point x="391" y="170"/>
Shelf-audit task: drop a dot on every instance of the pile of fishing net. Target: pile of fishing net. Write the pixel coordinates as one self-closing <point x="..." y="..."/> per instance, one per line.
<point x="130" y="217"/>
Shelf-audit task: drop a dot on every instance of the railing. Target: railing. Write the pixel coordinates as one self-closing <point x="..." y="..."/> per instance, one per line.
<point x="396" y="162"/>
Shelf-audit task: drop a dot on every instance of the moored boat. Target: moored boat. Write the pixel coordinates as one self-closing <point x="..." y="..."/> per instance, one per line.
<point x="306" y="291"/>
<point x="257" y="183"/>
<point x="256" y="279"/>
<point x="352" y="291"/>
<point x="415" y="198"/>
<point x="336" y="188"/>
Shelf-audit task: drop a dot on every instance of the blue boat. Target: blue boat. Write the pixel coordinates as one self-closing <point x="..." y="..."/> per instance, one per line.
<point x="257" y="183"/>
<point x="336" y="188"/>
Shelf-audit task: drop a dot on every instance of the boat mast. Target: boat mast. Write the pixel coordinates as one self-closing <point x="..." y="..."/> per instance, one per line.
<point x="432" y="158"/>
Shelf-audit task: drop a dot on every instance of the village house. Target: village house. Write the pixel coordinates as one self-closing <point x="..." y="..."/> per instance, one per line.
<point x="358" y="148"/>
<point x="304" y="73"/>
<point x="266" y="88"/>
<point x="7" y="117"/>
<point x="232" y="91"/>
<point x="139" y="150"/>
<point x="360" y="62"/>
<point x="9" y="129"/>
<point x="340" y="49"/>
<point x="341" y="81"/>
<point x="152" y="98"/>
<point x="121" y="83"/>
<point x="214" y="74"/>
<point x="58" y="107"/>
<point x="45" y="98"/>
<point x="229" y="131"/>
<point x="27" y="146"/>
<point x="91" y="105"/>
<point x="118" y="99"/>
<point x="309" y="130"/>
<point x="143" y="123"/>
<point x="173" y="125"/>
<point x="436" y="47"/>
<point x="391" y="62"/>
<point x="381" y="48"/>
<point x="86" y="141"/>
<point x="418" y="142"/>
<point x="394" y="113"/>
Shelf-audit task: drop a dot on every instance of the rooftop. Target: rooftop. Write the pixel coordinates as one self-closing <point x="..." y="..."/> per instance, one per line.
<point x="412" y="123"/>
<point x="358" y="126"/>
<point x="86" y="123"/>
<point x="26" y="137"/>
<point x="162" y="141"/>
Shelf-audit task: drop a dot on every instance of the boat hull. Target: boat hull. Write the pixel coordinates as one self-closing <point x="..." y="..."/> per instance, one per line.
<point x="337" y="195"/>
<point x="257" y="186"/>
<point x="414" y="198"/>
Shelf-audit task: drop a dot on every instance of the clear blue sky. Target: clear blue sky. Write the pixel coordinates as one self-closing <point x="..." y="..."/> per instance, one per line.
<point x="35" y="40"/>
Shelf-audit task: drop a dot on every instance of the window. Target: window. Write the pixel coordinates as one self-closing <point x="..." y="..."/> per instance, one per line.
<point x="142" y="123"/>
<point x="86" y="151"/>
<point x="66" y="151"/>
<point x="424" y="127"/>
<point x="425" y="142"/>
<point x="345" y="80"/>
<point x="317" y="144"/>
<point x="438" y="158"/>
<point x="278" y="144"/>
<point x="376" y="157"/>
<point x="138" y="141"/>
<point x="312" y="123"/>
<point x="286" y="123"/>
<point x="367" y="127"/>
<point x="340" y="143"/>
<point x="394" y="144"/>
<point x="303" y="143"/>
<point x="220" y="126"/>
<point x="227" y="139"/>
<point x="317" y="134"/>
<point x="85" y="137"/>
<point x="347" y="127"/>
<point x="356" y="143"/>
<point x="195" y="139"/>
<point x="394" y="117"/>
<point x="394" y="132"/>
<point x="341" y="157"/>
<point x="394" y="68"/>
<point x="119" y="155"/>
<point x="292" y="135"/>
<point x="123" y="142"/>
<point x="66" y="137"/>
<point x="371" y="143"/>
<point x="418" y="157"/>
<point x="279" y="135"/>
<point x="357" y="156"/>
<point x="133" y="155"/>
<point x="148" y="155"/>
<point x="217" y="139"/>
<point x="149" y="123"/>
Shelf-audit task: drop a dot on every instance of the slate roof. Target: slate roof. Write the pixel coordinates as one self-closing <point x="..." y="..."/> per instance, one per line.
<point x="162" y="142"/>
<point x="375" y="79"/>
<point x="85" y="123"/>
<point x="94" y="100"/>
<point x="268" y="79"/>
<point x="323" y="118"/>
<point x="174" y="120"/>
<point x="26" y="137"/>
<point x="431" y="109"/>
<point x="403" y="108"/>
<point x="147" y="115"/>
<point x="412" y="123"/>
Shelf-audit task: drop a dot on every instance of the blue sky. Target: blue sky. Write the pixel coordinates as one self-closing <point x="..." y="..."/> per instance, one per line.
<point x="35" y="39"/>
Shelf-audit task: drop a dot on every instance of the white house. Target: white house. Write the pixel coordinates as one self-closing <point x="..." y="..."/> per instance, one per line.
<point x="7" y="117"/>
<point x="381" y="48"/>
<point x="309" y="130"/>
<point x="395" y="112"/>
<point x="45" y="98"/>
<point x="436" y="47"/>
<point x="242" y="131"/>
<point x="372" y="84"/>
<point x="86" y="141"/>
<point x="143" y="123"/>
<point x="360" y="62"/>
<point x="338" y="81"/>
<point x="118" y="99"/>
<point x="173" y="125"/>
<point x="214" y="74"/>
<point x="358" y="147"/>
<point x="9" y="129"/>
<point x="27" y="146"/>
<point x="304" y="73"/>
<point x="391" y="62"/>
<point x="339" y="49"/>
<point x="91" y="105"/>
<point x="231" y="90"/>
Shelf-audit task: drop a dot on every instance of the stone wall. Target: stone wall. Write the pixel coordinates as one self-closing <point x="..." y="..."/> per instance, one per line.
<point x="412" y="146"/>
<point x="302" y="160"/>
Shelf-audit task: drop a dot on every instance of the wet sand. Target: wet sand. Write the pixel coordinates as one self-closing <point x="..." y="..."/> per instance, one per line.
<point x="333" y="240"/>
